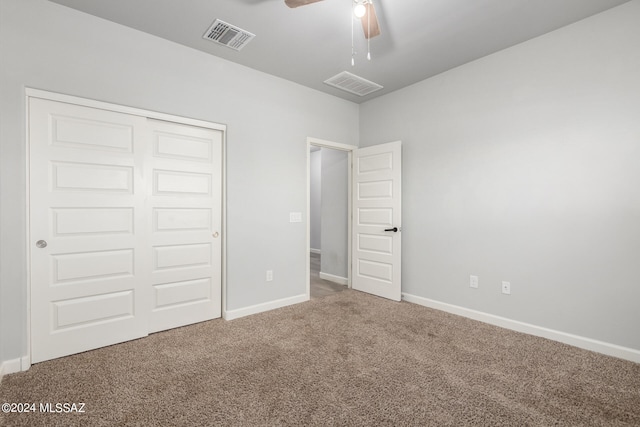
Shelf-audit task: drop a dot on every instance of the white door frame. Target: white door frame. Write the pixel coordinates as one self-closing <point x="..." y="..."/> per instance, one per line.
<point x="53" y="96"/>
<point x="334" y="146"/>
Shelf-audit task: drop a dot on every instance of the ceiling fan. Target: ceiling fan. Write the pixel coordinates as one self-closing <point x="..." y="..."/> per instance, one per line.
<point x="363" y="9"/>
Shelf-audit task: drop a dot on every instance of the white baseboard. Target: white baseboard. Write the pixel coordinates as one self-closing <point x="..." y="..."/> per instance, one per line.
<point x="10" y="367"/>
<point x="527" y="328"/>
<point x="259" y="308"/>
<point x="332" y="278"/>
<point x="25" y="363"/>
<point x="315" y="251"/>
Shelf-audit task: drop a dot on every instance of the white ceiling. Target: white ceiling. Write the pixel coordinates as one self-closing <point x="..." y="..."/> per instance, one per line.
<point x="307" y="45"/>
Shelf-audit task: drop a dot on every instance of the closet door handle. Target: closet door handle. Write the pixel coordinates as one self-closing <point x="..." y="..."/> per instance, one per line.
<point x="394" y="229"/>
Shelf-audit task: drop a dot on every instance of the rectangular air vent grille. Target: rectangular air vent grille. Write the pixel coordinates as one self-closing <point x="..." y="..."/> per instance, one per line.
<point x="228" y="35"/>
<point x="353" y="84"/>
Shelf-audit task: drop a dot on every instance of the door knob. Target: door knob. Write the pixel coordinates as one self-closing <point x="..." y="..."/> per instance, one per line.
<point x="41" y="244"/>
<point x="394" y="229"/>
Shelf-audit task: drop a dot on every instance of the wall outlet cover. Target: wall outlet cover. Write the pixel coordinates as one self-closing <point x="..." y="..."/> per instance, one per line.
<point x="506" y="288"/>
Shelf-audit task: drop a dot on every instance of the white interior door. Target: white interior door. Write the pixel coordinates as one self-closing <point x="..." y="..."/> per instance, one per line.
<point x="185" y="224"/>
<point x="88" y="257"/>
<point x="377" y="220"/>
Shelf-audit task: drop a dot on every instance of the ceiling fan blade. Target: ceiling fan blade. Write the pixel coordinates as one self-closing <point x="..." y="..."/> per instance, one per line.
<point x="296" y="3"/>
<point x="371" y="27"/>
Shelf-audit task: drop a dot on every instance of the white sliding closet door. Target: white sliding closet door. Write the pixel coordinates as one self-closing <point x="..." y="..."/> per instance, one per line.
<point x="125" y="224"/>
<point x="185" y="224"/>
<point x="88" y="249"/>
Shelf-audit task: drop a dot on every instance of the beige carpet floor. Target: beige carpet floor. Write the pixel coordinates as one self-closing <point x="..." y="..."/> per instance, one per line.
<point x="346" y="359"/>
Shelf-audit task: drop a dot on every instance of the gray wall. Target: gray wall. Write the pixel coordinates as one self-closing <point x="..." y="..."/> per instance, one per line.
<point x="334" y="219"/>
<point x="525" y="166"/>
<point x="315" y="199"/>
<point x="47" y="46"/>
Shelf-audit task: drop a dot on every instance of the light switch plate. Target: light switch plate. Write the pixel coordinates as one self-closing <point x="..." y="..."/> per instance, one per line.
<point x="473" y="281"/>
<point x="295" y="216"/>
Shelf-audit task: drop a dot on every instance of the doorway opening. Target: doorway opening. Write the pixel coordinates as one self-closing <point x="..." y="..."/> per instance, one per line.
<point x="328" y="222"/>
<point x="374" y="219"/>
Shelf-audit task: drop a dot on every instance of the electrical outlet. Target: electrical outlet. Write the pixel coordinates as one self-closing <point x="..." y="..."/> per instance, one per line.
<point x="269" y="275"/>
<point x="506" y="288"/>
<point x="473" y="281"/>
<point x="295" y="216"/>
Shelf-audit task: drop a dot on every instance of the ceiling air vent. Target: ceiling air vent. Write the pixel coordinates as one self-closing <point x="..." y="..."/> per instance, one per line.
<point x="228" y="35"/>
<point x="353" y="84"/>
